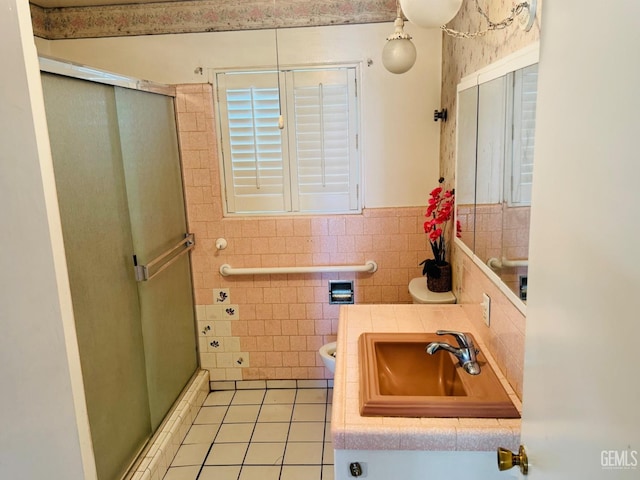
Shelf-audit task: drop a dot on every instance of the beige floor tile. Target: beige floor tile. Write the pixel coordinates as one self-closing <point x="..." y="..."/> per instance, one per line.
<point x="306" y="432"/>
<point x="307" y="453"/>
<point x="270" y="432"/>
<point x="248" y="397"/>
<point x="235" y="433"/>
<point x="210" y="415"/>
<point x="201" y="434"/>
<point x="330" y="395"/>
<point x="275" y="384"/>
<point x="190" y="455"/>
<point x="265" y="454"/>
<point x="300" y="472"/>
<point x="309" y="413"/>
<point x="312" y="384"/>
<point x="242" y="414"/>
<point x="327" y="472"/>
<point x="219" y="472"/>
<point x="182" y="473"/>
<point x="219" y="398"/>
<point x="312" y="395"/>
<point x="251" y="472"/>
<point x="275" y="413"/>
<point x="280" y="396"/>
<point x="226" y="454"/>
<point x="327" y="456"/>
<point x="251" y="385"/>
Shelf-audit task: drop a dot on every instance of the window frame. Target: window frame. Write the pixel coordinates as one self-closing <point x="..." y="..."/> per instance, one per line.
<point x="289" y="140"/>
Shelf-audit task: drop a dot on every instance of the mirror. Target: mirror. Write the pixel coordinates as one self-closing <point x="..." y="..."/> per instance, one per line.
<point x="494" y="169"/>
<point x="466" y="164"/>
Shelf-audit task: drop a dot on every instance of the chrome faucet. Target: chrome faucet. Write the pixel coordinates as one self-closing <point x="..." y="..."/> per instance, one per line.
<point x="466" y="353"/>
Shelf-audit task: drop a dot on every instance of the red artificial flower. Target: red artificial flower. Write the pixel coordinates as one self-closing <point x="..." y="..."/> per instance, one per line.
<point x="435" y="234"/>
<point x="440" y="210"/>
<point x="436" y="191"/>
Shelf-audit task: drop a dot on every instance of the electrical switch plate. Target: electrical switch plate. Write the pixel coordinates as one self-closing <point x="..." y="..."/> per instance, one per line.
<point x="486" y="309"/>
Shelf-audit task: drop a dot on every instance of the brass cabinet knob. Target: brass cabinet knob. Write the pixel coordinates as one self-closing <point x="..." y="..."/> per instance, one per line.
<point x="507" y="460"/>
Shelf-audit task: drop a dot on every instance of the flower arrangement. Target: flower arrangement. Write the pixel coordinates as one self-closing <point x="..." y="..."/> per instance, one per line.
<point x="439" y="212"/>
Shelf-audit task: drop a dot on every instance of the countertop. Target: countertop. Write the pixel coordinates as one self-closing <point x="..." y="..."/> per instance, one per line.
<point x="350" y="431"/>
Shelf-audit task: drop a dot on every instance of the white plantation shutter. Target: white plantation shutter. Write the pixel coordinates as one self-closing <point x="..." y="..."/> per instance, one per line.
<point x="310" y="166"/>
<point x="524" y="128"/>
<point x="324" y="140"/>
<point x="255" y="174"/>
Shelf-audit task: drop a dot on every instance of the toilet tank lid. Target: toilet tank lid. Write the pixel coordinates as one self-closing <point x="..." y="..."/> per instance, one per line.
<point x="418" y="289"/>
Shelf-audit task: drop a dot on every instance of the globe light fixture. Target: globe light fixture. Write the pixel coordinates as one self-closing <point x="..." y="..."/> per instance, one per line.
<point x="430" y="13"/>
<point x="399" y="53"/>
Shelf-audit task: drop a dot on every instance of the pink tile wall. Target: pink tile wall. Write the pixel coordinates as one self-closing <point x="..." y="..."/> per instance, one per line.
<point x="282" y="320"/>
<point x="488" y="228"/>
<point x="505" y="338"/>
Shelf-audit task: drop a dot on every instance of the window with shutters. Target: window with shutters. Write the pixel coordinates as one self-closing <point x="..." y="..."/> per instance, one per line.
<point x="311" y="164"/>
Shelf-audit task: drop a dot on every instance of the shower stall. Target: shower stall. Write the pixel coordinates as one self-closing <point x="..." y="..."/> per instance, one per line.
<point x="119" y="183"/>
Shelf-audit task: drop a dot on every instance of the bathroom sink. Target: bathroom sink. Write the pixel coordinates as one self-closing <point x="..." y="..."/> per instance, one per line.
<point x="399" y="379"/>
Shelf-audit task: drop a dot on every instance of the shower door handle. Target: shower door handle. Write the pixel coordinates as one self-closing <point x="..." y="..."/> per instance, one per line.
<point x="162" y="261"/>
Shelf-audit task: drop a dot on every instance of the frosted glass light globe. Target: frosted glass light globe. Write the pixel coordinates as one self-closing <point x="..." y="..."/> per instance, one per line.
<point x="398" y="55"/>
<point x="430" y="13"/>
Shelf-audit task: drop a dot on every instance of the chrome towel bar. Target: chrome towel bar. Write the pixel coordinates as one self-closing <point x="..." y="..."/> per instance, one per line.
<point x="369" y="267"/>
<point x="164" y="260"/>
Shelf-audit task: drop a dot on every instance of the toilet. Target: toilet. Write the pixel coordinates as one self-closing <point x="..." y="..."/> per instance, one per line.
<point x="328" y="355"/>
<point x="421" y="294"/>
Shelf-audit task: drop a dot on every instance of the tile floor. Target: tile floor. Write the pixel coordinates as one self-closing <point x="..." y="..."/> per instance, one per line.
<point x="274" y="434"/>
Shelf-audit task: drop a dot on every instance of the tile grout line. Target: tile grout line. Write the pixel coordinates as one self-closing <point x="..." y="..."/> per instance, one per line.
<point x="214" y="438"/>
<point x="286" y="442"/>
<point x="255" y="424"/>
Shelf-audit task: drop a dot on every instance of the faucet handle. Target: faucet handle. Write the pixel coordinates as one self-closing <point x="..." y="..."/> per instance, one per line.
<point x="463" y="340"/>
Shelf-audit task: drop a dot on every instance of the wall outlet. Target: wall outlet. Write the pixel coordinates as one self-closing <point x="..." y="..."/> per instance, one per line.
<point x="486" y="309"/>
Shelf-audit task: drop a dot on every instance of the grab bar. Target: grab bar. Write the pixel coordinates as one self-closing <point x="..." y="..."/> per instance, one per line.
<point x="494" y="263"/>
<point x="370" y="266"/>
<point x="142" y="271"/>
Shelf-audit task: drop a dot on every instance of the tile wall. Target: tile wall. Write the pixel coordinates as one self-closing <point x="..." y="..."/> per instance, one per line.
<point x="280" y="321"/>
<point x="505" y="338"/>
<point x="499" y="232"/>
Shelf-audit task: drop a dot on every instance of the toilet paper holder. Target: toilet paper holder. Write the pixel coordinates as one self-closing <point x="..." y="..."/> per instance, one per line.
<point x="341" y="292"/>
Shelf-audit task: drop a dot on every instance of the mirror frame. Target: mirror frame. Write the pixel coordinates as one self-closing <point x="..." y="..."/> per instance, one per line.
<point x="515" y="61"/>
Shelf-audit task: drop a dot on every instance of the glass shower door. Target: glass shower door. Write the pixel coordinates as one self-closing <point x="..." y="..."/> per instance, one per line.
<point x="119" y="186"/>
<point x="156" y="205"/>
<point x="85" y="145"/>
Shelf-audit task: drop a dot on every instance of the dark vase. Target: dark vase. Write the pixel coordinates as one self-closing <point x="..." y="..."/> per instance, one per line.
<point x="439" y="278"/>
